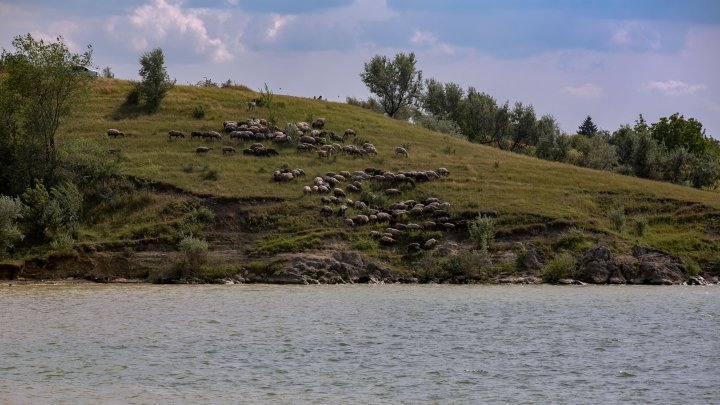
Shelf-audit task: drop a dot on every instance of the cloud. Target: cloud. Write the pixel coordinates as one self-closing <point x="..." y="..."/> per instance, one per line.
<point x="278" y="22"/>
<point x="675" y="87"/>
<point x="161" y="21"/>
<point x="635" y="34"/>
<point x="583" y="91"/>
<point x="429" y="40"/>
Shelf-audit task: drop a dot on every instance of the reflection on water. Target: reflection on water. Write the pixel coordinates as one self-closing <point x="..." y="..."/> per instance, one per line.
<point x="359" y="344"/>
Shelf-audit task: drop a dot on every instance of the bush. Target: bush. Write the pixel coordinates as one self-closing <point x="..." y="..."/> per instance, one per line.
<point x="570" y="239"/>
<point x="198" y="112"/>
<point x="52" y="216"/>
<point x="617" y="219"/>
<point x="10" y="213"/>
<point x="210" y="174"/>
<point x="641" y="225"/>
<point x="482" y="232"/>
<point x="560" y="267"/>
<point x="133" y="96"/>
<point x="193" y="255"/>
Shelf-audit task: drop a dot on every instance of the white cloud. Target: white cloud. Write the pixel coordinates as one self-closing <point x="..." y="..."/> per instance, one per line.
<point x="278" y="22"/>
<point x="163" y="20"/>
<point x="586" y="90"/>
<point x="636" y="34"/>
<point x="675" y="87"/>
<point x="428" y="39"/>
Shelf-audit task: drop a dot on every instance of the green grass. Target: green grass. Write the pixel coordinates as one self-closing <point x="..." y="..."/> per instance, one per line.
<point x="526" y="196"/>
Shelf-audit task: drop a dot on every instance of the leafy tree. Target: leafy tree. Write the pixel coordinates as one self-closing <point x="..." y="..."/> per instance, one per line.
<point x="433" y="101"/>
<point x="51" y="216"/>
<point x="625" y="141"/>
<point x="676" y="165"/>
<point x="477" y="118"/>
<point x="588" y="127"/>
<point x="676" y="131"/>
<point x="598" y="154"/>
<point x="397" y="83"/>
<point x="40" y="84"/>
<point x="107" y="73"/>
<point x="646" y="157"/>
<point x="704" y="171"/>
<point x="552" y="143"/>
<point x="524" y="130"/>
<point x="155" y="81"/>
<point x="10" y="213"/>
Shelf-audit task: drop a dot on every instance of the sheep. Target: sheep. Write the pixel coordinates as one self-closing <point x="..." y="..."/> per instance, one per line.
<point x="228" y="150"/>
<point x="383" y="216"/>
<point x="386" y="240"/>
<point x="307" y="190"/>
<point x="266" y="152"/>
<point x="348" y="222"/>
<point x="212" y="135"/>
<point x="305" y="147"/>
<point x="370" y="149"/>
<point x="230" y="126"/>
<point x="335" y="137"/>
<point x="114" y="133"/>
<point x="442" y="171"/>
<point x="303" y="126"/>
<point x="319" y="123"/>
<point x="349" y="132"/>
<point x="326" y="210"/>
<point x="401" y="151"/>
<point x="361" y="219"/>
<point x="338" y="192"/>
<point x="393" y="191"/>
<point x="175" y="134"/>
<point x="342" y="210"/>
<point x="251" y="105"/>
<point x="430" y="243"/>
<point x="306" y="139"/>
<point x="345" y="173"/>
<point x="352" y="188"/>
<point x="196" y="134"/>
<point x="202" y="150"/>
<point x="283" y="176"/>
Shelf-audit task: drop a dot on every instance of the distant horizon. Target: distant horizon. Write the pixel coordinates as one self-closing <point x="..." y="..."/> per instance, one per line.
<point x="611" y="60"/>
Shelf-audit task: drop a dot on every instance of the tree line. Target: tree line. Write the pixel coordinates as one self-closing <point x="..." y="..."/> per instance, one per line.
<point x="674" y="149"/>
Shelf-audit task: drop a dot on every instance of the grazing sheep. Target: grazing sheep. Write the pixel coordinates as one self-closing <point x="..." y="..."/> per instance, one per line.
<point x="361" y="219"/>
<point x="393" y="191"/>
<point x="251" y="105"/>
<point x="401" y="151"/>
<point x="283" y="176"/>
<point x="430" y="243"/>
<point x="228" y="150"/>
<point x="448" y="226"/>
<point x="351" y="188"/>
<point x="202" y="150"/>
<point x="326" y="210"/>
<point x="335" y="137"/>
<point x="341" y="210"/>
<point x="307" y="190"/>
<point x="319" y="123"/>
<point x="442" y="171"/>
<point x="383" y="216"/>
<point x="303" y="126"/>
<point x="386" y="240"/>
<point x="305" y="147"/>
<point x="211" y="135"/>
<point x="323" y="154"/>
<point x="175" y="134"/>
<point x="348" y="222"/>
<point x="349" y="132"/>
<point x="306" y="139"/>
<point x="230" y="127"/>
<point x="114" y="133"/>
<point x="196" y="134"/>
<point x="338" y="192"/>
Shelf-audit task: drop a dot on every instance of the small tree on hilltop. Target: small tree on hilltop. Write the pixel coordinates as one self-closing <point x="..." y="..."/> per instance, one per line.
<point x="155" y="80"/>
<point x="397" y="83"/>
<point x="588" y="127"/>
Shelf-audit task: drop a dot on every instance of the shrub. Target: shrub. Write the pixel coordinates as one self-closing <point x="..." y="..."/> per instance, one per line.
<point x="210" y="174"/>
<point x="570" y="239"/>
<point x="482" y="232"/>
<point x="198" y="112"/>
<point x="561" y="266"/>
<point x="469" y="264"/>
<point x="10" y="213"/>
<point x="193" y="254"/>
<point x="133" y="96"/>
<point x="51" y="216"/>
<point x="617" y="219"/>
<point x="692" y="269"/>
<point x="641" y="225"/>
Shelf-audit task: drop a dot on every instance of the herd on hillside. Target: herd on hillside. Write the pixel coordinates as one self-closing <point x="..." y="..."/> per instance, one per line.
<point x="430" y="214"/>
<point x="306" y="137"/>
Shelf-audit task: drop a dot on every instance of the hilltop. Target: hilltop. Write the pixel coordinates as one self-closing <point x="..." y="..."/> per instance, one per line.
<point x="541" y="210"/>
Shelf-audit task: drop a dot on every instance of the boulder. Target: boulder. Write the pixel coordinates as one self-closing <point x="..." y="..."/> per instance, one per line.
<point x="658" y="267"/>
<point x="597" y="265"/>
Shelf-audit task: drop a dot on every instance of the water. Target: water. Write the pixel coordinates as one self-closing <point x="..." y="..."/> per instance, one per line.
<point x="90" y="344"/>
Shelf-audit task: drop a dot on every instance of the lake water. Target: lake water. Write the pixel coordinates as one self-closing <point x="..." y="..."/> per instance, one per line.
<point x="145" y="344"/>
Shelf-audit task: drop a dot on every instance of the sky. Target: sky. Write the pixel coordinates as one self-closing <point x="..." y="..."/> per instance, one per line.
<point x="610" y="59"/>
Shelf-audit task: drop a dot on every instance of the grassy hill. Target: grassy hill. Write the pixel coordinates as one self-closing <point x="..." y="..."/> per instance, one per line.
<point x="532" y="200"/>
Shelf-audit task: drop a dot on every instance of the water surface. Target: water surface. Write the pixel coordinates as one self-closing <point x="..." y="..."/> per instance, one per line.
<point x="90" y="344"/>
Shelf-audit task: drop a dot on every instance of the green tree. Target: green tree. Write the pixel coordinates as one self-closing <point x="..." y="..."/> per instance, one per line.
<point x="552" y="143"/>
<point x="625" y="141"/>
<point x="704" y="171"/>
<point x="478" y="116"/>
<point x="10" y="213"/>
<point x="588" y="127"/>
<point x="676" y="131"/>
<point x="155" y="81"/>
<point x="598" y="154"/>
<point x="40" y="84"/>
<point x="397" y="83"/>
<point x="646" y="157"/>
<point x="524" y="126"/>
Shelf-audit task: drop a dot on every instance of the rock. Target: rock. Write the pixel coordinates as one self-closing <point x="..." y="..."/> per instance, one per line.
<point x="697" y="280"/>
<point x="350" y="258"/>
<point x="532" y="259"/>
<point x="658" y="267"/>
<point x="597" y="264"/>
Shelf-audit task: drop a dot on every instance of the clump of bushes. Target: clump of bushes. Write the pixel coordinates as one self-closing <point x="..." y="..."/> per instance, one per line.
<point x="560" y="267"/>
<point x="198" y="112"/>
<point x="52" y="216"/>
<point x="193" y="255"/>
<point x="570" y="239"/>
<point x="482" y="232"/>
<point x="641" y="225"/>
<point x="617" y="219"/>
<point x="10" y="213"/>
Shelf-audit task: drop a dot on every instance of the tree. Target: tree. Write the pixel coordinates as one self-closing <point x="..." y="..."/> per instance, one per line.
<point x="107" y="73"/>
<point x="598" y="154"/>
<point x="646" y="157"/>
<point x="704" y="171"/>
<point x="676" y="131"/>
<point x="155" y="81"/>
<point x="588" y="127"/>
<point x="40" y="84"/>
<point x="478" y="116"/>
<point x="10" y="213"/>
<point x="625" y="141"/>
<point x="552" y="143"/>
<point x="397" y="83"/>
<point x="524" y="130"/>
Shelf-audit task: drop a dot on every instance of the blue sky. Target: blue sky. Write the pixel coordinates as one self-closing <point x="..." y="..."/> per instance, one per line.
<point x="610" y="59"/>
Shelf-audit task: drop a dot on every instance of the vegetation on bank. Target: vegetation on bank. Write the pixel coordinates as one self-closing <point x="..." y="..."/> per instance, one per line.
<point x="145" y="191"/>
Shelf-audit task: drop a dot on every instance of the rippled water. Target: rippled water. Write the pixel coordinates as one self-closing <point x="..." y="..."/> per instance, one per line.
<point x="359" y="344"/>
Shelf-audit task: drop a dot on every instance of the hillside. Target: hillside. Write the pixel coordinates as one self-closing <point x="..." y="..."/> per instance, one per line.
<point x="533" y="201"/>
